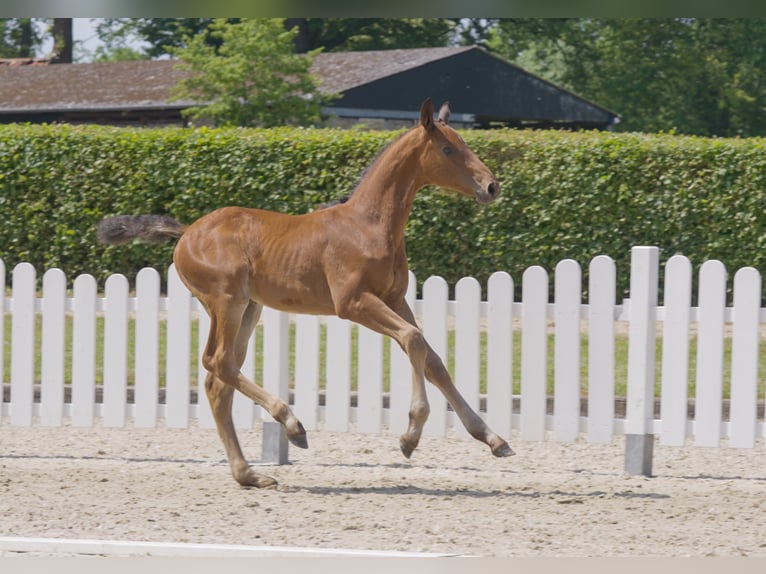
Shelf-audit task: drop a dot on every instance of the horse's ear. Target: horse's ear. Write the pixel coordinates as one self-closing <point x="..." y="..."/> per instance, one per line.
<point x="427" y="114"/>
<point x="444" y="113"/>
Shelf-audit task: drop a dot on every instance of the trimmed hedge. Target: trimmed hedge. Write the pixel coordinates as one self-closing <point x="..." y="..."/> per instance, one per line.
<point x="564" y="195"/>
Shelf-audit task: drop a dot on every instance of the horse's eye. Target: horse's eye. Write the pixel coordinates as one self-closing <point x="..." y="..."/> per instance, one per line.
<point x="447" y="150"/>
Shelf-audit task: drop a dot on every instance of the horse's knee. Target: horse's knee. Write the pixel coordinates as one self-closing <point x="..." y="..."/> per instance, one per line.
<point x="220" y="367"/>
<point x="414" y="344"/>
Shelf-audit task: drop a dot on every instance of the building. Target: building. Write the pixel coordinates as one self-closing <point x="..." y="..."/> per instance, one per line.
<point x="377" y="88"/>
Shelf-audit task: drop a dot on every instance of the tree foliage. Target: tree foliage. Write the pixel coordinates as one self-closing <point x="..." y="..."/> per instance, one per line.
<point x="19" y="38"/>
<point x="252" y="78"/>
<point x="688" y="75"/>
<point x="358" y="34"/>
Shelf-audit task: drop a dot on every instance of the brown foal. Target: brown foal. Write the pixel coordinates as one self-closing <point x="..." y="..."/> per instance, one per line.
<point x="347" y="260"/>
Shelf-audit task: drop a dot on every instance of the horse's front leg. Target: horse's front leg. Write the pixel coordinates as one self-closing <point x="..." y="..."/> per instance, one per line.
<point x="398" y="323"/>
<point x="419" y="407"/>
<point x="437" y="373"/>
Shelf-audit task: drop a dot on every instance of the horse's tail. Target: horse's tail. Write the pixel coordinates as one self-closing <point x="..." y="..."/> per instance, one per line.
<point x="152" y="228"/>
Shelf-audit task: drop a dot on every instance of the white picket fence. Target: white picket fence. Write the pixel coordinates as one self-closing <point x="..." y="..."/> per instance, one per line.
<point x="36" y="392"/>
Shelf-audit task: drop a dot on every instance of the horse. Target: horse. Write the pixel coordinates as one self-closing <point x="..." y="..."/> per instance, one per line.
<point x="347" y="259"/>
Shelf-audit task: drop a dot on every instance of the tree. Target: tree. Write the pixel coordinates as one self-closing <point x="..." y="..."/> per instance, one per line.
<point x="63" y="42"/>
<point x="354" y="34"/>
<point x="332" y="34"/>
<point x="19" y="38"/>
<point x="161" y="35"/>
<point x="689" y="75"/>
<point x="252" y="79"/>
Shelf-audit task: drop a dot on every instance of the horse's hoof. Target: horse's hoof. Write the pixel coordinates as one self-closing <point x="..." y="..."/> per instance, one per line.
<point x="298" y="437"/>
<point x="406" y="447"/>
<point x="252" y="479"/>
<point x="503" y="449"/>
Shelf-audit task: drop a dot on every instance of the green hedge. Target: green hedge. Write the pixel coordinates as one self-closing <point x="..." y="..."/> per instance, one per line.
<point x="564" y="195"/>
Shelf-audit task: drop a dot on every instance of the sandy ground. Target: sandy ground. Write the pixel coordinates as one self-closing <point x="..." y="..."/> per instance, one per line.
<point x="356" y="491"/>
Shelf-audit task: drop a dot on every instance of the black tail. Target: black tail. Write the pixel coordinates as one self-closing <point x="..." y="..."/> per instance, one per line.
<point x="152" y="228"/>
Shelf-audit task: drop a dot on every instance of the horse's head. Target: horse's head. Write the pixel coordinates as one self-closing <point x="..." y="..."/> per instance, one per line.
<point x="448" y="162"/>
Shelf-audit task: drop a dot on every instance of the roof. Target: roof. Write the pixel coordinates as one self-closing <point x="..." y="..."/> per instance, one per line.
<point x="143" y="83"/>
<point x="386" y="83"/>
<point x="341" y="71"/>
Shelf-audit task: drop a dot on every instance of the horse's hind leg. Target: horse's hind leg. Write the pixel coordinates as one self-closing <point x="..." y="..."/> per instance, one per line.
<point x="221" y="397"/>
<point x="231" y="323"/>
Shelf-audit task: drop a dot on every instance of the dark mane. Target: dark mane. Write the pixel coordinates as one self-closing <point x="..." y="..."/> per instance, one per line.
<point x="344" y="198"/>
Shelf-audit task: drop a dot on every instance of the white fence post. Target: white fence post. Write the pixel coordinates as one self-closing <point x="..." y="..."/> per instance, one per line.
<point x="177" y="370"/>
<point x="712" y="304"/>
<point x="500" y="353"/>
<point x="338" y="389"/>
<point x="23" y="344"/>
<point x="369" y="391"/>
<point x="534" y="353"/>
<point x="467" y="344"/>
<point x="675" y="351"/>
<point x="52" y="348"/>
<point x="566" y="400"/>
<point x="601" y="298"/>
<point x="147" y="352"/>
<point x="307" y="337"/>
<point x="276" y="355"/>
<point x="435" y="300"/>
<point x="744" y="358"/>
<point x="84" y="351"/>
<point x="639" y="412"/>
<point x="115" y="351"/>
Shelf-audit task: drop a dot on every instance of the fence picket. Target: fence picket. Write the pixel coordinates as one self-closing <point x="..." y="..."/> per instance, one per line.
<point x="675" y="351"/>
<point x="23" y="344"/>
<point x="338" y="390"/>
<point x="566" y="400"/>
<point x="534" y="353"/>
<point x="370" y="381"/>
<point x="435" y="295"/>
<point x="601" y="299"/>
<point x="52" y="348"/>
<point x="177" y="370"/>
<point x="744" y="358"/>
<point x="307" y="339"/>
<point x="147" y="343"/>
<point x="276" y="356"/>
<point x="115" y="351"/>
<point x="467" y="344"/>
<point x="712" y="301"/>
<point x="84" y="351"/>
<point x="500" y="353"/>
<point x="433" y="312"/>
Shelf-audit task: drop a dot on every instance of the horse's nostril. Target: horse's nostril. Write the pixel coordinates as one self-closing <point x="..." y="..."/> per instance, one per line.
<point x="493" y="189"/>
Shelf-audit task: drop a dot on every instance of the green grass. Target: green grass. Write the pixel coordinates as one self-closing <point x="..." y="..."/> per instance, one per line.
<point x="621" y="358"/>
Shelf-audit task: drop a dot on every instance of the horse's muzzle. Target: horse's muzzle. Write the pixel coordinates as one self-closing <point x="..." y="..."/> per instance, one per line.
<point x="488" y="193"/>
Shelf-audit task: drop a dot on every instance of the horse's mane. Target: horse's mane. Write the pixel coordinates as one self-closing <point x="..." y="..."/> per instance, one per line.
<point x="345" y="197"/>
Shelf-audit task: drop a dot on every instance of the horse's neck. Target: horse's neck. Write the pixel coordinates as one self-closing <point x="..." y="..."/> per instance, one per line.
<point x="385" y="195"/>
